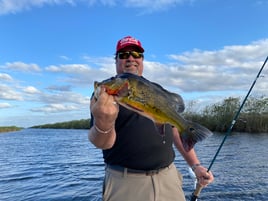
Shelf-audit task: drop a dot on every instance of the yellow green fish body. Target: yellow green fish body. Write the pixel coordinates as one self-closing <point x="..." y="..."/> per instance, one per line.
<point x="153" y="101"/>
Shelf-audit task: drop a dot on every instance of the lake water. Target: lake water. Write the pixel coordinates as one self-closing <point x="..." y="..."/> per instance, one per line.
<point x="51" y="164"/>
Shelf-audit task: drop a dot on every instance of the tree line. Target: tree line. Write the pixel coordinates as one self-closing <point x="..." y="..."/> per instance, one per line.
<point x="75" y="124"/>
<point x="216" y="117"/>
<point x="4" y="129"/>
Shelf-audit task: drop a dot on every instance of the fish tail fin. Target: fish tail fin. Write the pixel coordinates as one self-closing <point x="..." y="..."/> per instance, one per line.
<point x="193" y="134"/>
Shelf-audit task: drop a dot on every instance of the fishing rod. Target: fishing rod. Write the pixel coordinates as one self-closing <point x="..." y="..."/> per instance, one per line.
<point x="198" y="188"/>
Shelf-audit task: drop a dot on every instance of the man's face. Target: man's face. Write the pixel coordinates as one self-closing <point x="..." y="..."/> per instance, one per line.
<point x="130" y="62"/>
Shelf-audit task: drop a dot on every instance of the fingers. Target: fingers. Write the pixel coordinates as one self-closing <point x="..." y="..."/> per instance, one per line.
<point x="203" y="182"/>
<point x="205" y="179"/>
<point x="103" y="105"/>
<point x="203" y="176"/>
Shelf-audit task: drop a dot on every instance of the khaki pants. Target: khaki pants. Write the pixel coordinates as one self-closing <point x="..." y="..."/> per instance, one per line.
<point x="164" y="186"/>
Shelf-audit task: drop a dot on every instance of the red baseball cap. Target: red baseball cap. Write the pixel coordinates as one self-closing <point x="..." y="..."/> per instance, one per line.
<point x="128" y="41"/>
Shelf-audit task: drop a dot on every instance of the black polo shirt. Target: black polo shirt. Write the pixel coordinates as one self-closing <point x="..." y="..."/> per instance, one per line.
<point x="139" y="143"/>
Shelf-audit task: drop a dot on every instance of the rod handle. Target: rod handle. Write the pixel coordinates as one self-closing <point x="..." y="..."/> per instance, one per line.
<point x="196" y="192"/>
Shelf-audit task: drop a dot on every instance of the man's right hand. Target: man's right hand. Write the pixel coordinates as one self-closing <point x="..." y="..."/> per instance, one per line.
<point x="104" y="109"/>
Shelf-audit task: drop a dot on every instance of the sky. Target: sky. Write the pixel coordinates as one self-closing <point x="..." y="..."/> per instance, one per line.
<point x="52" y="51"/>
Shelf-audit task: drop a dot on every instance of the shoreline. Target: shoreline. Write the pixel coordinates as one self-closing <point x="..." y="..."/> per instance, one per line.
<point x="4" y="129"/>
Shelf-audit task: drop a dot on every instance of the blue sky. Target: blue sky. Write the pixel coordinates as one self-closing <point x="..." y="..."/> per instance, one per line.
<point x="51" y="51"/>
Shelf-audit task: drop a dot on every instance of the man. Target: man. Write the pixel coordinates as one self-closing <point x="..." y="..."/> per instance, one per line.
<point x="139" y="163"/>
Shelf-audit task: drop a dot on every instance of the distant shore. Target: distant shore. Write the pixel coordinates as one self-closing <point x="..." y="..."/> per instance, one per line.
<point x="4" y="129"/>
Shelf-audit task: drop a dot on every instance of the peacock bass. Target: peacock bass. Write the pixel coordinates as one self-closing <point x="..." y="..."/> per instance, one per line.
<point x="154" y="102"/>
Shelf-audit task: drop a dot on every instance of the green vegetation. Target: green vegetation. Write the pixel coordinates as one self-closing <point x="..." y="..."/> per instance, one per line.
<point x="217" y="117"/>
<point x="4" y="129"/>
<point x="75" y="124"/>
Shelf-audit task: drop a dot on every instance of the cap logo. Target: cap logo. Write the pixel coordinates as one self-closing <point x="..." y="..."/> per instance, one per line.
<point x="129" y="40"/>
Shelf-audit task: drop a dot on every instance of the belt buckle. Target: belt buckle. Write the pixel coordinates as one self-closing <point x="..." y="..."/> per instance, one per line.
<point x="152" y="172"/>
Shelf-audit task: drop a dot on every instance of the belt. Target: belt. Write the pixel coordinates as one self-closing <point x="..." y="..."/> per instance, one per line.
<point x="134" y="171"/>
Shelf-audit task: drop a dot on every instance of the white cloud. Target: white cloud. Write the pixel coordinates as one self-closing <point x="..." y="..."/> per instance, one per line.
<point x="64" y="97"/>
<point x="5" y="77"/>
<point x="65" y="58"/>
<point x="55" y="108"/>
<point x="7" y="93"/>
<point x="231" y="56"/>
<point x="15" y="6"/>
<point x="230" y="68"/>
<point x="5" y="105"/>
<point x="83" y="74"/>
<point x="150" y="6"/>
<point x="31" y="90"/>
<point x="59" y="88"/>
<point x="70" y="68"/>
<point x="23" y="67"/>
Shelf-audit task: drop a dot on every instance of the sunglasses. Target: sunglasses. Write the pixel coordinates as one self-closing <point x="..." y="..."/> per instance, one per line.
<point x="126" y="55"/>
